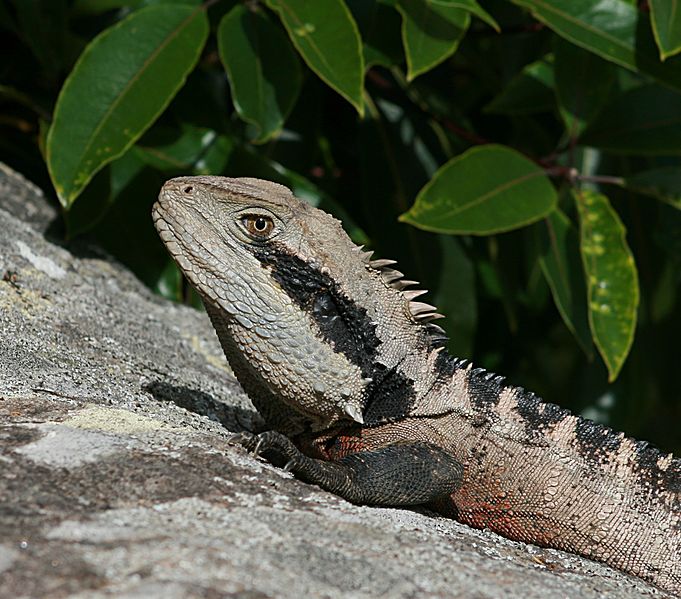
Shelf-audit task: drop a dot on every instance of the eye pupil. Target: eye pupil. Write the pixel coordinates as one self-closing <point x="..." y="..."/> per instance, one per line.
<point x="258" y="226"/>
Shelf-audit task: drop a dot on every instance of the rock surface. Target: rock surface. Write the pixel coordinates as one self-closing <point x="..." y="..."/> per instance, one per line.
<point x="117" y="478"/>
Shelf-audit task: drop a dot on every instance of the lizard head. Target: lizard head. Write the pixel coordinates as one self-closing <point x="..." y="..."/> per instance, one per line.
<point x="303" y="314"/>
<point x="227" y="221"/>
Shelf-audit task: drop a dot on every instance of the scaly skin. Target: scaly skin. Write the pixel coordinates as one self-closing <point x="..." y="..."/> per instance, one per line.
<point x="350" y="373"/>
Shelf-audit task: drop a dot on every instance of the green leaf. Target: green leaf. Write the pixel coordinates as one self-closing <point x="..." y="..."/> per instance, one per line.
<point x="101" y="193"/>
<point x="614" y="29"/>
<point x="97" y="199"/>
<point x="666" y="20"/>
<point x="529" y="91"/>
<point x="645" y="120"/>
<point x="560" y="262"/>
<point x="431" y="32"/>
<point x="583" y="84"/>
<point x="661" y="183"/>
<point x="472" y="7"/>
<point x="181" y="150"/>
<point x="612" y="279"/>
<point x="379" y="26"/>
<point x="263" y="69"/>
<point x="488" y="189"/>
<point x="121" y="83"/>
<point x="326" y="36"/>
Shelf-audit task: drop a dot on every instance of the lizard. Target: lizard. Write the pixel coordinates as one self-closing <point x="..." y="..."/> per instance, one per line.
<point x="360" y="396"/>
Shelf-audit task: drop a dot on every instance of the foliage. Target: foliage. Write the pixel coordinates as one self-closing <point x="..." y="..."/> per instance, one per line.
<point x="519" y="157"/>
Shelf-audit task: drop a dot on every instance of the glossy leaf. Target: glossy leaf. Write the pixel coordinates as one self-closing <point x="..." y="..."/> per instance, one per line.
<point x="488" y="189"/>
<point x="431" y="32"/>
<point x="186" y="150"/>
<point x="644" y="120"/>
<point x="583" y="84"/>
<point x="264" y="74"/>
<point x="560" y="262"/>
<point x="326" y="36"/>
<point x="472" y="7"/>
<point x="666" y="21"/>
<point x="614" y="29"/>
<point x="661" y="183"/>
<point x="123" y="80"/>
<point x="611" y="276"/>
<point x="529" y="91"/>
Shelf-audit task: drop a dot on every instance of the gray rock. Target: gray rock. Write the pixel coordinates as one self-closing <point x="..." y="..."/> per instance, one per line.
<point x="117" y="478"/>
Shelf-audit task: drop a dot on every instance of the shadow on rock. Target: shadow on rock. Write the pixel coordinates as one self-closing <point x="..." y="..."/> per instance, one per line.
<point x="233" y="418"/>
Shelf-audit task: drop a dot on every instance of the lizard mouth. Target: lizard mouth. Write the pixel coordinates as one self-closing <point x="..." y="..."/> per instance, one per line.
<point x="163" y="224"/>
<point x="177" y="243"/>
<point x="177" y="239"/>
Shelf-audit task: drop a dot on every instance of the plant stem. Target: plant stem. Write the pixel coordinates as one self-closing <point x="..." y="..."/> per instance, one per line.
<point x="572" y="175"/>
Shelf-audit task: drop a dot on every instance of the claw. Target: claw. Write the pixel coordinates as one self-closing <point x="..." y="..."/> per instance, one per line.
<point x="256" y="449"/>
<point x="240" y="438"/>
<point x="289" y="465"/>
<point x="267" y="441"/>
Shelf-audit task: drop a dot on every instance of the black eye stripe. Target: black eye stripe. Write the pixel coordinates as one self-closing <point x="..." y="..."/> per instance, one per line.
<point x="347" y="326"/>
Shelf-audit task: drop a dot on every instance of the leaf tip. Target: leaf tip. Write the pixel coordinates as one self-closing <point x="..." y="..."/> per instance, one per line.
<point x="665" y="54"/>
<point x="613" y="371"/>
<point x="492" y="23"/>
<point x="61" y="196"/>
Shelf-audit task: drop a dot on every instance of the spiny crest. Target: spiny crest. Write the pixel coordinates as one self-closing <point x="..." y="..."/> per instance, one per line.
<point x="420" y="311"/>
<point x="486" y="376"/>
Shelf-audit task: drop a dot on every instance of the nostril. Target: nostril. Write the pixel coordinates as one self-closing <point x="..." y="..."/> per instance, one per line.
<point x="188" y="189"/>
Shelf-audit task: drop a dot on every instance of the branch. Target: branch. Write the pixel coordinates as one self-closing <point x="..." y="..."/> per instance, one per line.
<point x="572" y="175"/>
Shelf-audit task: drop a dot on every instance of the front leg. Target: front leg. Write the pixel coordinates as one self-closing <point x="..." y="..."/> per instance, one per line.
<point x="400" y="474"/>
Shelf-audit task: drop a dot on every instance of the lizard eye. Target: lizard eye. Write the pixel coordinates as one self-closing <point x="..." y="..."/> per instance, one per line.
<point x="258" y="226"/>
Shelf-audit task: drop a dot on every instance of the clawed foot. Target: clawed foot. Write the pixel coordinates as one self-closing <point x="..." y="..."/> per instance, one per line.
<point x="249" y="441"/>
<point x="270" y="441"/>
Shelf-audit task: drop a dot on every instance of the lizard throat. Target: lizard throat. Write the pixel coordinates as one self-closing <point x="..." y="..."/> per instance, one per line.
<point x="347" y="327"/>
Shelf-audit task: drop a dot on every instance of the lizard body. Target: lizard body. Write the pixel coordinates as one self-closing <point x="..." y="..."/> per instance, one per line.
<point x="350" y="372"/>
